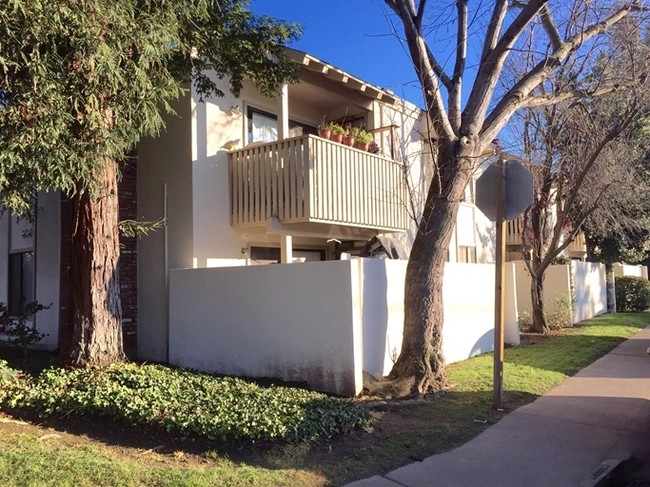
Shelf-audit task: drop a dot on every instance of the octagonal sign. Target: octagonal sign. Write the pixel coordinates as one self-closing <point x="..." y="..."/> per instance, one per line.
<point x="518" y="190"/>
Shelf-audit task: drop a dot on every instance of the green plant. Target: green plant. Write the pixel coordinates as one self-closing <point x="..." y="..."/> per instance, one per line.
<point x="361" y="136"/>
<point x="562" y="317"/>
<point x="632" y="293"/>
<point x="336" y="128"/>
<point x="197" y="404"/>
<point x="19" y="331"/>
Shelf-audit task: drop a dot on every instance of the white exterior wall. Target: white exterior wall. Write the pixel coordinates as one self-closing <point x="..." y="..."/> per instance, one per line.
<point x="297" y="322"/>
<point x="44" y="239"/>
<point x="590" y="290"/>
<point x="630" y="270"/>
<point x="163" y="161"/>
<point x="321" y="322"/>
<point x="48" y="269"/>
<point x="557" y="284"/>
<point x="4" y="256"/>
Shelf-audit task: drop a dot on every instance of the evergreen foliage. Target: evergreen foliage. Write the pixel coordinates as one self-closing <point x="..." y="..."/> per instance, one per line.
<point x="81" y="82"/>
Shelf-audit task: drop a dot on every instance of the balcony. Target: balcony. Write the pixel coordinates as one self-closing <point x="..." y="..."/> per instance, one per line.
<point x="309" y="180"/>
<point x="514" y="239"/>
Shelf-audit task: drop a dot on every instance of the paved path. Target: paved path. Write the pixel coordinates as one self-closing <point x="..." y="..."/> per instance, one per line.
<point x="569" y="437"/>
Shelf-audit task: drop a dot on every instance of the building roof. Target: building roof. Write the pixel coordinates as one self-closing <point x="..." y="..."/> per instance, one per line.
<point x="311" y="63"/>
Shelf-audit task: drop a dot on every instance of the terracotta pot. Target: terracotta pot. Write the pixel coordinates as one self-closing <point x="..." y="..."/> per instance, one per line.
<point x="336" y="138"/>
<point x="360" y="146"/>
<point x="325" y="134"/>
<point x="348" y="140"/>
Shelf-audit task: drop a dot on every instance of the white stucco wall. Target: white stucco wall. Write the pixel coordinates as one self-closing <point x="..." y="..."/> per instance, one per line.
<point x="382" y="283"/>
<point x="4" y="256"/>
<point x="557" y="284"/>
<point x="468" y="293"/>
<point x="630" y="270"/>
<point x="163" y="161"/>
<point x="590" y="290"/>
<point x="321" y="322"/>
<point x="297" y="322"/>
<point x="48" y="272"/>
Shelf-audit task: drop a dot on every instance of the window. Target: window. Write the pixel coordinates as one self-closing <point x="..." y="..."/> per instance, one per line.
<point x="263" y="127"/>
<point x="265" y="255"/>
<point x="21" y="281"/>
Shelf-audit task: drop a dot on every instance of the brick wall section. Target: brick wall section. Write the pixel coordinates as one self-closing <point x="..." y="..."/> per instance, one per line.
<point x="128" y="260"/>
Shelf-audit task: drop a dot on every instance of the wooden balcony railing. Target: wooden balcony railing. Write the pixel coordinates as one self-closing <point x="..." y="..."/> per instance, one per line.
<point x="309" y="179"/>
<point x="514" y="236"/>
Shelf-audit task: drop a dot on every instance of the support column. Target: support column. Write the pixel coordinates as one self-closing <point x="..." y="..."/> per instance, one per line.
<point x="286" y="244"/>
<point x="286" y="249"/>
<point x="283" y="126"/>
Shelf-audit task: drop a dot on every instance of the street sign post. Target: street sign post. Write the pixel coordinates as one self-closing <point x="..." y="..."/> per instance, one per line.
<point x="503" y="191"/>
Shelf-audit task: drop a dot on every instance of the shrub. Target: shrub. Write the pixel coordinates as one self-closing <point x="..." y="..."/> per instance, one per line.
<point x="20" y="333"/>
<point x="198" y="404"/>
<point x="562" y="317"/>
<point x="632" y="293"/>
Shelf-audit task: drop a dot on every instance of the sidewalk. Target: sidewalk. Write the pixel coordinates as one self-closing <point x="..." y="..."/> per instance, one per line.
<point x="572" y="436"/>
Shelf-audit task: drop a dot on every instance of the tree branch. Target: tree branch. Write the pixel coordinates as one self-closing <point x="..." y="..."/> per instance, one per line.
<point x="420" y="15"/>
<point x="459" y="67"/>
<point x="424" y="63"/>
<point x="518" y="94"/>
<point x="494" y="28"/>
<point x="555" y="98"/>
<point x="551" y="29"/>
<point x="492" y="66"/>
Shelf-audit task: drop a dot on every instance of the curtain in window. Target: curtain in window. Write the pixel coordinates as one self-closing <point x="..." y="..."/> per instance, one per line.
<point x="263" y="128"/>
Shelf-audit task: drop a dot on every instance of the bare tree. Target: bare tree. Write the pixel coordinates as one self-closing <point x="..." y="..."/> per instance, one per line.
<point x="586" y="162"/>
<point x="464" y="131"/>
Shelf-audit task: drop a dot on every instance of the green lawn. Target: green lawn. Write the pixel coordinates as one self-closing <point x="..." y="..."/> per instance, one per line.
<point x="400" y="434"/>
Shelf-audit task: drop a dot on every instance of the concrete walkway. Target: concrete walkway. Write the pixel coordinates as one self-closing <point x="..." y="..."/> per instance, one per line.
<point x="572" y="436"/>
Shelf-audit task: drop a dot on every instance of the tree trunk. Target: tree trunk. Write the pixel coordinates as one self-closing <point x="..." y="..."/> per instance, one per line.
<point x="537" y="298"/>
<point x="611" y="288"/>
<point x="420" y="367"/>
<point x="95" y="314"/>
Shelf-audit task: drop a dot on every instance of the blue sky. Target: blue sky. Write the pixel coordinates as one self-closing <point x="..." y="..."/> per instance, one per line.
<point x="352" y="35"/>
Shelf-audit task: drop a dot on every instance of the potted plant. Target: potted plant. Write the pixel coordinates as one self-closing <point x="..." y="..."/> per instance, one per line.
<point x="362" y="139"/>
<point x="325" y="129"/>
<point x="337" y="132"/>
<point x="348" y="137"/>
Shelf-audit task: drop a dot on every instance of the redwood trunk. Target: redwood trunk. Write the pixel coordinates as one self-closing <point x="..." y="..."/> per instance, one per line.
<point x="96" y="316"/>
<point x="537" y="298"/>
<point x="421" y="365"/>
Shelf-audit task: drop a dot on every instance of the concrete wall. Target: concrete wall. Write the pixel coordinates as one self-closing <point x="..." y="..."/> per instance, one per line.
<point x="165" y="160"/>
<point x="4" y="256"/>
<point x="298" y="322"/>
<point x="557" y="285"/>
<point x="43" y="238"/>
<point x="590" y="290"/>
<point x="321" y="322"/>
<point x="630" y="270"/>
<point x="589" y="294"/>
<point x="48" y="273"/>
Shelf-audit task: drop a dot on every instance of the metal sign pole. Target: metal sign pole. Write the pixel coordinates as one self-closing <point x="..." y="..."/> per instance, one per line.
<point x="499" y="295"/>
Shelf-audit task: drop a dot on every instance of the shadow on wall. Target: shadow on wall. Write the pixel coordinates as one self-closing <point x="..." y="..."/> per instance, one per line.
<point x="483" y="345"/>
<point x="374" y="306"/>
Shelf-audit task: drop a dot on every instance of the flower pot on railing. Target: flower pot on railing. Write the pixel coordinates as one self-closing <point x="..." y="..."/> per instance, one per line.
<point x="348" y="140"/>
<point x="325" y="134"/>
<point x="360" y="146"/>
<point x="336" y="138"/>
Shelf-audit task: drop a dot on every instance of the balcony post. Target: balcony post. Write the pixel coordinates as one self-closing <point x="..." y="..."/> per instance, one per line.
<point x="284" y="112"/>
<point x="286" y="249"/>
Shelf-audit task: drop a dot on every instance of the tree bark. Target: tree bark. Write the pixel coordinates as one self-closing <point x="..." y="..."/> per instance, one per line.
<point x="537" y="297"/>
<point x="96" y="315"/>
<point x="420" y="367"/>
